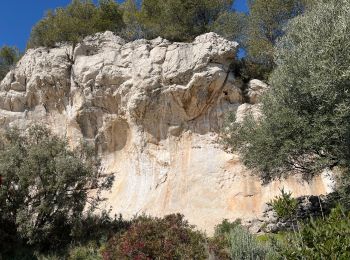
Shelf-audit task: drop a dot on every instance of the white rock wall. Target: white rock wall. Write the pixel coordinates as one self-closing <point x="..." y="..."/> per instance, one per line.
<point x="153" y="109"/>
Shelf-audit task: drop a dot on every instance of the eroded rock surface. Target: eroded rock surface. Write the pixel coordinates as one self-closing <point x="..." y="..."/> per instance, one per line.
<point x="153" y="109"/>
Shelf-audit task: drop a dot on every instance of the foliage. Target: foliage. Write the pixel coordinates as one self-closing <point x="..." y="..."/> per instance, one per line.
<point x="233" y="241"/>
<point x="304" y="125"/>
<point x="71" y="24"/>
<point x="170" y="237"/>
<point x="244" y="245"/>
<point x="8" y="58"/>
<point x="226" y="226"/>
<point x="133" y="29"/>
<point x="321" y="239"/>
<point x="230" y="25"/>
<point x="284" y="205"/>
<point x="266" y="24"/>
<point x="88" y="252"/>
<point x="182" y="20"/>
<point x="219" y="244"/>
<point x="46" y="186"/>
<point x="98" y="228"/>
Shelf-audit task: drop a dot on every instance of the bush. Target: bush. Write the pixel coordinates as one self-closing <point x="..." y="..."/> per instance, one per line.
<point x="89" y="252"/>
<point x="45" y="187"/>
<point x="320" y="239"/>
<point x="284" y="205"/>
<point x="180" y="20"/>
<point x="170" y="237"/>
<point x="244" y="245"/>
<point x="219" y="244"/>
<point x="8" y="59"/>
<point x="233" y="241"/>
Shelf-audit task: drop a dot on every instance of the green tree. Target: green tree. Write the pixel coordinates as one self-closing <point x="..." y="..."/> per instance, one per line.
<point x="71" y="24"/>
<point x="230" y="25"/>
<point x="46" y="186"/>
<point x="305" y="122"/>
<point x="133" y="29"/>
<point x="180" y="20"/>
<point x="266" y="22"/>
<point x="8" y="58"/>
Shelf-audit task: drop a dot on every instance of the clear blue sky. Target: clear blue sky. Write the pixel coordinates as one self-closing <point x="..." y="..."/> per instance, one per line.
<point x="17" y="17"/>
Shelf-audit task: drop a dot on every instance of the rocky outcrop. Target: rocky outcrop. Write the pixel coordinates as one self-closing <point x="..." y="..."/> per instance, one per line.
<point x="153" y="110"/>
<point x="307" y="207"/>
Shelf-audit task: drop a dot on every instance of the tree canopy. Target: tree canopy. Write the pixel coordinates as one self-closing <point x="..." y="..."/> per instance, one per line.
<point x="79" y="19"/>
<point x="178" y="20"/>
<point x="45" y="186"/>
<point x="305" y="116"/>
<point x="267" y="21"/>
<point x="181" y="20"/>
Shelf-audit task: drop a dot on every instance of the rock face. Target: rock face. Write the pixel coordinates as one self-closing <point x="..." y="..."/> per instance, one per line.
<point x="153" y="109"/>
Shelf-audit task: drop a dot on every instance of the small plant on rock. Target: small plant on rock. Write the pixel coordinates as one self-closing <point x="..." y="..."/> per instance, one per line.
<point x="285" y="205"/>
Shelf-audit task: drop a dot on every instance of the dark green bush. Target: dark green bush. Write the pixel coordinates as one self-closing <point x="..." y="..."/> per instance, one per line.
<point x="45" y="188"/>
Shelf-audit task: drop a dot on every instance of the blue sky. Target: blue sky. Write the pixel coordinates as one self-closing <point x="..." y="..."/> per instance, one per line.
<point x="17" y="17"/>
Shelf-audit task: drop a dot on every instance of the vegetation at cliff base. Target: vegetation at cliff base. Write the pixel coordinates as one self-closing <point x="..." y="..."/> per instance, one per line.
<point x="45" y="188"/>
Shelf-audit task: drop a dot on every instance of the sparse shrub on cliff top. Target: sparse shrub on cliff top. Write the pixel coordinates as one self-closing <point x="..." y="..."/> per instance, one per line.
<point x="170" y="237"/>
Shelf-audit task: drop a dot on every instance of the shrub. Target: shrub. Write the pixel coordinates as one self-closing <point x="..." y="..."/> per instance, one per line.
<point x="180" y="20"/>
<point x="320" y="239"/>
<point x="170" y="237"/>
<point x="88" y="252"/>
<point x="46" y="186"/>
<point x="284" y="205"/>
<point x="244" y="245"/>
<point x="233" y="241"/>
<point x="219" y="244"/>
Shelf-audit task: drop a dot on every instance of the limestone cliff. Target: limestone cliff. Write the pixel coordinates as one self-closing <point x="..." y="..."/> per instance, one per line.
<point x="153" y="109"/>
